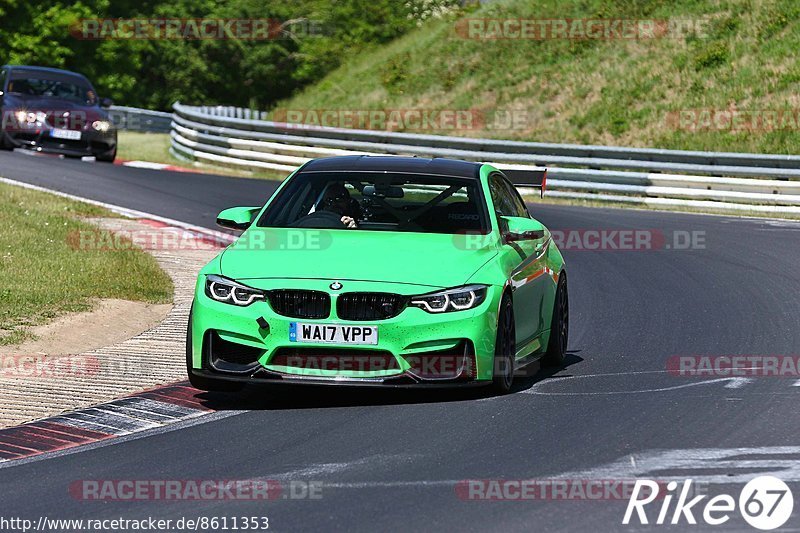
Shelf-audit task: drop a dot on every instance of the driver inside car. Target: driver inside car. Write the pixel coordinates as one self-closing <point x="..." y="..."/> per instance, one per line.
<point x="334" y="209"/>
<point x="337" y="200"/>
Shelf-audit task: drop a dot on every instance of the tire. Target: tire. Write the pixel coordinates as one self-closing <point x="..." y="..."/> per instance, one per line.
<point x="559" y="326"/>
<point x="504" y="348"/>
<point x="107" y="157"/>
<point x="5" y="142"/>
<point x="203" y="383"/>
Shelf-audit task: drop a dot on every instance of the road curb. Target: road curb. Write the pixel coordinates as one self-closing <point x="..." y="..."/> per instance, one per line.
<point x="151" y="358"/>
<point x="150" y="409"/>
<point x="155" y="166"/>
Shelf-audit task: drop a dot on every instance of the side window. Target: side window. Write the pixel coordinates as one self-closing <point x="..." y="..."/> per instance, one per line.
<point x="506" y="199"/>
<point x="516" y="200"/>
<point x="2" y="81"/>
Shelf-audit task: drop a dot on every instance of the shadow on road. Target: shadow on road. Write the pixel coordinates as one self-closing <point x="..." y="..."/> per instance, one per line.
<point x="285" y="397"/>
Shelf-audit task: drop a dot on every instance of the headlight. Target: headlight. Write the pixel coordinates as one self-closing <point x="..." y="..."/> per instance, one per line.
<point x="30" y="117"/>
<point x="101" y="125"/>
<point x="228" y="291"/>
<point x="457" y="299"/>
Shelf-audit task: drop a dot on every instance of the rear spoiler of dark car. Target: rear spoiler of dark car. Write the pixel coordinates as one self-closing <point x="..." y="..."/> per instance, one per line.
<point x="536" y="179"/>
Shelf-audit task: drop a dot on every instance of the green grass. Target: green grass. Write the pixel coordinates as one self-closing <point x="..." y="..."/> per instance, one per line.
<point x="43" y="275"/>
<point x="138" y="146"/>
<point x="618" y="92"/>
<point x="154" y="147"/>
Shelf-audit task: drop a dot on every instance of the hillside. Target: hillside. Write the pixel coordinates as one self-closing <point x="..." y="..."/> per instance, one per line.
<point x="668" y="91"/>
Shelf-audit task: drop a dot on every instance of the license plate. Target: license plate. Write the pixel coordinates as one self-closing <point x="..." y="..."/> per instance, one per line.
<point x="72" y="135"/>
<point x="333" y="333"/>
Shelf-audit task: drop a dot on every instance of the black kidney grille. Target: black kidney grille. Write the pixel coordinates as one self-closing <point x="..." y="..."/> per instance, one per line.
<point x="300" y="303"/>
<point x="369" y="305"/>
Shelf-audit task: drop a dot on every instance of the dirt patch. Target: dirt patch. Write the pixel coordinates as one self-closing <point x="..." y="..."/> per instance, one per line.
<point x="109" y="322"/>
<point x="131" y="346"/>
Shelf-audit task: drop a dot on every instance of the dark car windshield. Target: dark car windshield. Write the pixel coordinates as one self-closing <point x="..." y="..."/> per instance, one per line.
<point x="55" y="86"/>
<point x="379" y="202"/>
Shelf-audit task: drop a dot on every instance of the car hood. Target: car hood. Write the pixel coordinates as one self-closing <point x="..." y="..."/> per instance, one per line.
<point x="433" y="260"/>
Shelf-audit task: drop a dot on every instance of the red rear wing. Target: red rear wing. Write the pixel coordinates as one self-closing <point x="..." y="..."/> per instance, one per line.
<point x="536" y="179"/>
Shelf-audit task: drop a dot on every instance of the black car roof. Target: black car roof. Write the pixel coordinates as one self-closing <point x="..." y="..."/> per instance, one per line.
<point x="417" y="165"/>
<point x="49" y="70"/>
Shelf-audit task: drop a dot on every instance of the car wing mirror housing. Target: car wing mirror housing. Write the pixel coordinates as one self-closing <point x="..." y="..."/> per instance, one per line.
<point x="238" y="218"/>
<point x="106" y="102"/>
<point x="521" y="229"/>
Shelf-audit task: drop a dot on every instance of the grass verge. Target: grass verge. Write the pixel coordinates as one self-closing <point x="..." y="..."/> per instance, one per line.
<point x="154" y="148"/>
<point x="139" y="146"/>
<point x="43" y="275"/>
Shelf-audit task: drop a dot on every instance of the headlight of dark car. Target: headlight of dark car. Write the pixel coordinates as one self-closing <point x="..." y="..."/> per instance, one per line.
<point x="456" y="299"/>
<point x="101" y="125"/>
<point x="228" y="291"/>
<point x="30" y="118"/>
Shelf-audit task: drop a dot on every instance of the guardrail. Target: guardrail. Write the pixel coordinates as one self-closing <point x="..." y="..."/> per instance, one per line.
<point x="135" y="119"/>
<point x="695" y="180"/>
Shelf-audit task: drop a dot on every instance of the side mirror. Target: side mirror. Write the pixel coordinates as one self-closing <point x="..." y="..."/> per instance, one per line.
<point x="521" y="229"/>
<point x="238" y="218"/>
<point x="106" y="102"/>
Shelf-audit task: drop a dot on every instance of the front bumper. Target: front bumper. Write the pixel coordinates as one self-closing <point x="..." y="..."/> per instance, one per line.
<point x="91" y="143"/>
<point x="447" y="349"/>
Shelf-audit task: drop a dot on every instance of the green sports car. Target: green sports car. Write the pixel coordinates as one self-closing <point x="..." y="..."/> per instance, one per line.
<point x="385" y="271"/>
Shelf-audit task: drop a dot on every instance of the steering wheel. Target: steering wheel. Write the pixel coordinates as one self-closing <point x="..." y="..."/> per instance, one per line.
<point x="320" y="219"/>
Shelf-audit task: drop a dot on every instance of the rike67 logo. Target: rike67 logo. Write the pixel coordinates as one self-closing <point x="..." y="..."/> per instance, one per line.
<point x="765" y="503"/>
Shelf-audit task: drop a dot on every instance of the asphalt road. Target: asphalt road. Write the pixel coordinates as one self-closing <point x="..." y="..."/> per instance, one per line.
<point x="391" y="461"/>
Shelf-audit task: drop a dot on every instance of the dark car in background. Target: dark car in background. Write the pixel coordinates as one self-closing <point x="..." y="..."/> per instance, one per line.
<point x="53" y="110"/>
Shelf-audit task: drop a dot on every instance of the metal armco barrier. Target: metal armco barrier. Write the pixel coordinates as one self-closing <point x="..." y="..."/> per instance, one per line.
<point x="696" y="180"/>
<point x="135" y="119"/>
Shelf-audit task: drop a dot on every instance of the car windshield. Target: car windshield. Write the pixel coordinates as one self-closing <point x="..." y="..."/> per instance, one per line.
<point x="379" y="202"/>
<point x="72" y="89"/>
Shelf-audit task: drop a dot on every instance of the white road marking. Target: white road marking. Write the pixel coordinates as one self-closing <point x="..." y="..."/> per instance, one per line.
<point x="782" y="224"/>
<point x="368" y="463"/>
<point x="737" y="383"/>
<point x="146" y="164"/>
<point x="732" y="465"/>
<point x="731" y="383"/>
